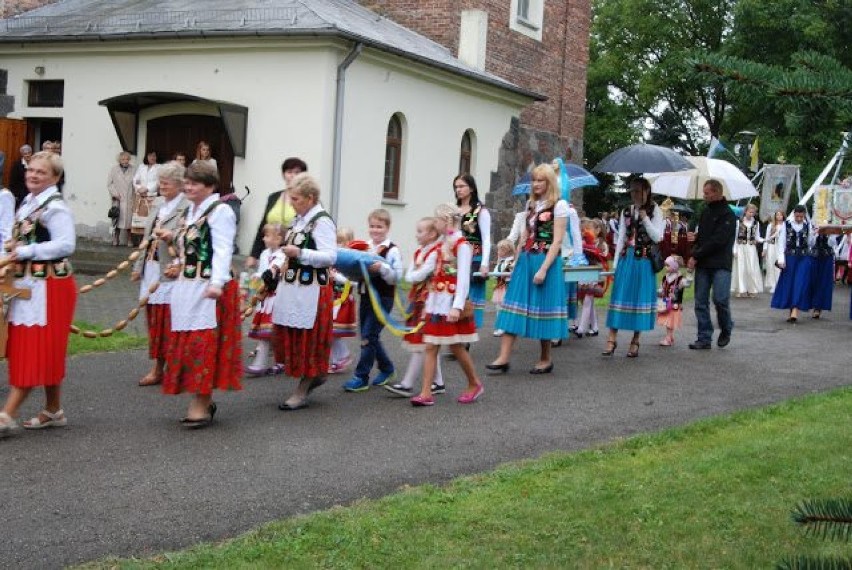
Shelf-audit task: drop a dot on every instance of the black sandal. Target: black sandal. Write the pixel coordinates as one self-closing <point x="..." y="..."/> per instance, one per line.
<point x="633" y="353"/>
<point x="612" y="345"/>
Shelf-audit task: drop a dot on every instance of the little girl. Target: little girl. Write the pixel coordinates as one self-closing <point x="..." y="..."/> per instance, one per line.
<point x="447" y="314"/>
<point x="597" y="252"/>
<point x="343" y="312"/>
<point x="505" y="264"/>
<point x="421" y="268"/>
<point x="670" y="304"/>
<point x="261" y="326"/>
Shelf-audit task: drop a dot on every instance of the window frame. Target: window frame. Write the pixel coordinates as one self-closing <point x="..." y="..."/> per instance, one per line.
<point x="393" y="146"/>
<point x="466" y="154"/>
<point x="530" y="24"/>
<point x="33" y="91"/>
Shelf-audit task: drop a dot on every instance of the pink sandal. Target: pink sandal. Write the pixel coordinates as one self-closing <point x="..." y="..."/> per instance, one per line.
<point x="667" y="342"/>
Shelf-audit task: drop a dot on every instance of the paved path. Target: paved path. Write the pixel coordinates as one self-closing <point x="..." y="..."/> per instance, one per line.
<point x="124" y="479"/>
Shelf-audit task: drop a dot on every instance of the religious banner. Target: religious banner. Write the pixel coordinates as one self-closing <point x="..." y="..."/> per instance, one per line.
<point x="778" y="182"/>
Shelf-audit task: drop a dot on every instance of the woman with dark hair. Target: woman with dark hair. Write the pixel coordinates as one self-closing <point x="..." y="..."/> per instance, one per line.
<point x="278" y="208"/>
<point x="795" y="239"/>
<point x="205" y="307"/>
<point x="476" y="228"/>
<point x="633" y="303"/>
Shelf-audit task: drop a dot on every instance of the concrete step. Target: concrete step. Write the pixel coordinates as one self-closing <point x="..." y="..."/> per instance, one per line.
<point x="96" y="257"/>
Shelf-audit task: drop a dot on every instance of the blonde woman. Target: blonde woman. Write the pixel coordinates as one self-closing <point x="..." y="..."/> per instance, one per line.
<point x="770" y="251"/>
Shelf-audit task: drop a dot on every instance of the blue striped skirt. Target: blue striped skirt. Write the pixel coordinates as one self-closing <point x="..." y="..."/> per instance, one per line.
<point x="534" y="311"/>
<point x="633" y="303"/>
<point x="794" y="285"/>
<point x="476" y="293"/>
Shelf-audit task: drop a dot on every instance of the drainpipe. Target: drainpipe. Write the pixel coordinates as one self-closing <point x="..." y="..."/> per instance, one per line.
<point x="338" y="127"/>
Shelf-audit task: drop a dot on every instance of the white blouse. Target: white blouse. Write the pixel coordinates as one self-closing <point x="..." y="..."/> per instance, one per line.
<point x="781" y="240"/>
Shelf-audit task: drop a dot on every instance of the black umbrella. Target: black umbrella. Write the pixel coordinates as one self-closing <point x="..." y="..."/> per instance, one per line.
<point x="682" y="209"/>
<point x="643" y="158"/>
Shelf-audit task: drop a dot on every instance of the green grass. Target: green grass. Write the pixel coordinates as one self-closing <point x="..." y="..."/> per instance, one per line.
<point x="713" y="494"/>
<point x="78" y="344"/>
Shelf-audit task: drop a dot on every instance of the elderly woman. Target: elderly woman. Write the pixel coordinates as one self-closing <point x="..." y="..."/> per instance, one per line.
<point x="302" y="316"/>
<point x="278" y="209"/>
<point x="152" y="267"/>
<point x="534" y="305"/>
<point x="120" y="188"/>
<point x="206" y="345"/>
<point x="633" y="303"/>
<point x="39" y="326"/>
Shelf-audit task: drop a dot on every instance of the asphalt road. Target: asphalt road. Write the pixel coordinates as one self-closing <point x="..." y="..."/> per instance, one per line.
<point x="125" y="479"/>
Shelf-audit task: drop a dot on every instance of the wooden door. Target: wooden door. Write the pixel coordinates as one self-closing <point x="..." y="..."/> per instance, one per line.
<point x="13" y="135"/>
<point x="181" y="133"/>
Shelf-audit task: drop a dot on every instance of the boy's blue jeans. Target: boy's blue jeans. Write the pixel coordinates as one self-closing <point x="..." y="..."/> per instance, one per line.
<point x="371" y="347"/>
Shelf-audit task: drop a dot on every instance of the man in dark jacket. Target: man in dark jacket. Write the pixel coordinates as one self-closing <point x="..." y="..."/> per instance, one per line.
<point x="712" y="258"/>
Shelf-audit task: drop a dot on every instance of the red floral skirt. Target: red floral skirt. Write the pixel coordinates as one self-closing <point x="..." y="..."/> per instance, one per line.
<point x="201" y="360"/>
<point x="37" y="354"/>
<point x="159" y="330"/>
<point x="305" y="352"/>
<point x="438" y="330"/>
<point x="414" y="341"/>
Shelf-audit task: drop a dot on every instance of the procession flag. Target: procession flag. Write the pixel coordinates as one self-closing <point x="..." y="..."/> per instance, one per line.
<point x="715" y="146"/>
<point x="755" y="156"/>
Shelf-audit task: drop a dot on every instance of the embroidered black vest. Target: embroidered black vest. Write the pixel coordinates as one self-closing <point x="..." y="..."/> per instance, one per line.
<point x="471" y="230"/>
<point x="746" y="235"/>
<point x="642" y="242"/>
<point x="822" y="248"/>
<point x="797" y="242"/>
<point x="198" y="247"/>
<point x="31" y="230"/>
<point x="304" y="239"/>
<point x="541" y="237"/>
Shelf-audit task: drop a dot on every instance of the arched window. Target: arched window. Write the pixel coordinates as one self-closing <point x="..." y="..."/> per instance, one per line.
<point x="466" y="154"/>
<point x="393" y="158"/>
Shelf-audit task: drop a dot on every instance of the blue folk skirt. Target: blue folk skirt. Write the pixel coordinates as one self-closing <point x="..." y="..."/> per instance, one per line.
<point x="571" y="298"/>
<point x="822" y="282"/>
<point x="476" y="293"/>
<point x="534" y="311"/>
<point x="794" y="285"/>
<point x="633" y="303"/>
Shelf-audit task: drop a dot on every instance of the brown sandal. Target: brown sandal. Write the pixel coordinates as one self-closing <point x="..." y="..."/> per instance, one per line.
<point x="151" y="379"/>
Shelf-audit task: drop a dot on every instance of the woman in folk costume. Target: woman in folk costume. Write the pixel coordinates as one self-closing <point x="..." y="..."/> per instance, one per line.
<point x="205" y="306"/>
<point x="795" y="239"/>
<point x="476" y="228"/>
<point x="43" y="237"/>
<point x="770" y="251"/>
<point x="633" y="302"/>
<point x="303" y="312"/>
<point x="446" y="323"/>
<point x="151" y="268"/>
<point x="746" y="277"/>
<point x="822" y="274"/>
<point x="534" y="305"/>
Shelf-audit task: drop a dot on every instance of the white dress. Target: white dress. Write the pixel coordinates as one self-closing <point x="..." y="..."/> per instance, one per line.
<point x="746" y="278"/>
<point x="770" y="254"/>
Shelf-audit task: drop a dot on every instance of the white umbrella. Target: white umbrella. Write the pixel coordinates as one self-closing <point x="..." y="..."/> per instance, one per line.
<point x="688" y="184"/>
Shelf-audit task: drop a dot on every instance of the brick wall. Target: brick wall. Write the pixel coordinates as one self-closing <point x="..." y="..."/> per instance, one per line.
<point x="9" y="8"/>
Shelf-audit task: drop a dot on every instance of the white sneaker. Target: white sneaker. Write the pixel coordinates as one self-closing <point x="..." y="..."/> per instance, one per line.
<point x="499" y="332"/>
<point x="7" y="424"/>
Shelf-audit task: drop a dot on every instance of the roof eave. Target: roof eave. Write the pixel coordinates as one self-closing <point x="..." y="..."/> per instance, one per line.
<point x="332" y="32"/>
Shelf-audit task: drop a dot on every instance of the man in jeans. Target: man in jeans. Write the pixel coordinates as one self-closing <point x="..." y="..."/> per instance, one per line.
<point x="712" y="257"/>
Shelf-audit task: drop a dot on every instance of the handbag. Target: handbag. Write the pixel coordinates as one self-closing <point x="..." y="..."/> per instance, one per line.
<point x="140" y="216"/>
<point x="114" y="212"/>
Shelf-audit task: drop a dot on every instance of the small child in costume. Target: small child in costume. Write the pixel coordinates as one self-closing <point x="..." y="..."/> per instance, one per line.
<point x="670" y="303"/>
<point x="344" y="312"/>
<point x="505" y="264"/>
<point x="597" y="252"/>
<point x="261" y="326"/>
<point x="422" y="266"/>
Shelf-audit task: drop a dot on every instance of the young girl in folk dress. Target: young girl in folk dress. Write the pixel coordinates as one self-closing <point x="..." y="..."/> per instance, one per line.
<point x="343" y="312"/>
<point x="505" y="264"/>
<point x="670" y="307"/>
<point x="597" y="252"/>
<point x="261" y="326"/>
<point x="418" y="274"/>
<point x="770" y="251"/>
<point x="745" y="276"/>
<point x="447" y="320"/>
